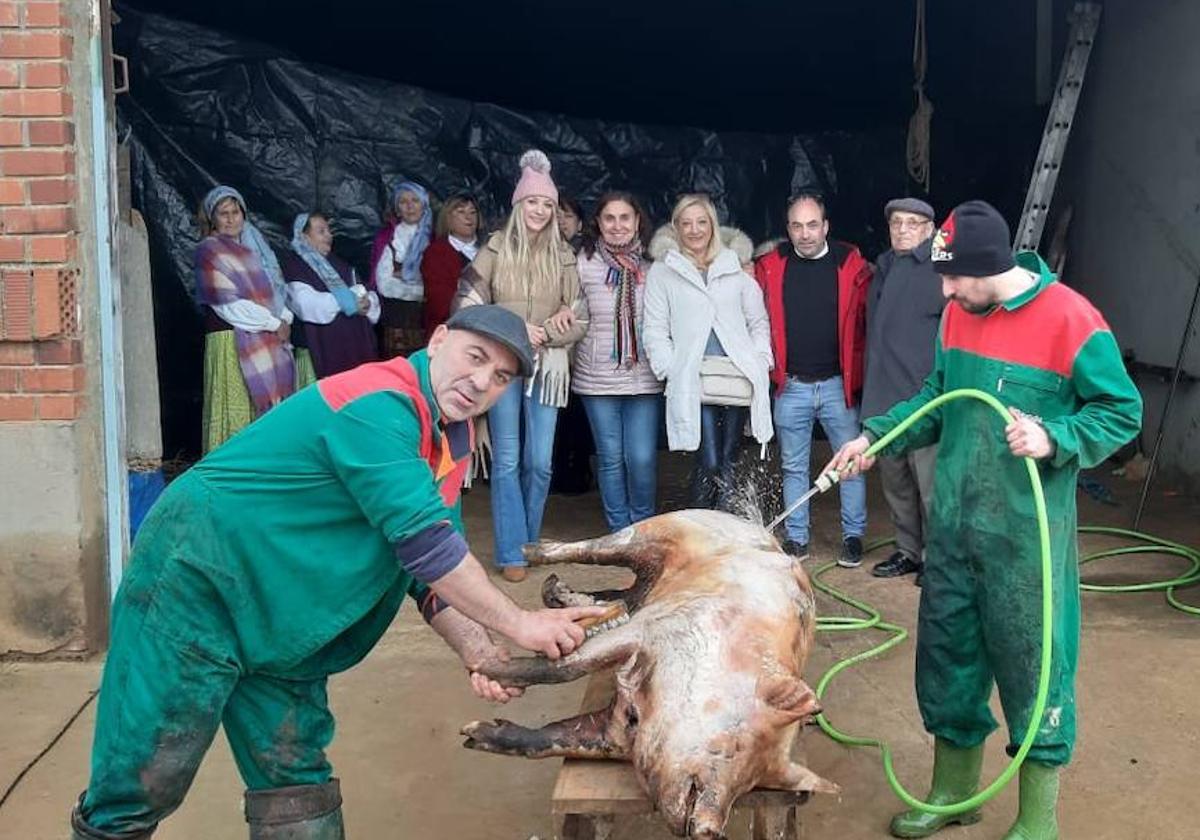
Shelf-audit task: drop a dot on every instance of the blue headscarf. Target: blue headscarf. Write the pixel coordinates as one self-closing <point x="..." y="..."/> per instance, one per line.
<point x="252" y="238"/>
<point x="317" y="262"/>
<point x="416" y="249"/>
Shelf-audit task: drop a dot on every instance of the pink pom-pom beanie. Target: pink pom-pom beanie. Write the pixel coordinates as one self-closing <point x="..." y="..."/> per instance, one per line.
<point x="535" y="178"/>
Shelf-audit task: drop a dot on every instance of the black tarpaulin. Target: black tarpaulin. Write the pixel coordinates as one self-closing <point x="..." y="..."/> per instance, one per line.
<point x="207" y="108"/>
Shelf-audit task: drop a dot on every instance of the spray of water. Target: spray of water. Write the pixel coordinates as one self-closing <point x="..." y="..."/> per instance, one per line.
<point x="753" y="489"/>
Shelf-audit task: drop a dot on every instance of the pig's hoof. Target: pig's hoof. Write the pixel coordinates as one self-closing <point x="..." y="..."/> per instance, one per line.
<point x="497" y="736"/>
<point x="555" y="593"/>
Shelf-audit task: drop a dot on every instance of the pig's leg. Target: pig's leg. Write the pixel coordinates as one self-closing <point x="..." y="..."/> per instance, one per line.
<point x="635" y="547"/>
<point x="792" y="776"/>
<point x="583" y="736"/>
<point x="599" y="651"/>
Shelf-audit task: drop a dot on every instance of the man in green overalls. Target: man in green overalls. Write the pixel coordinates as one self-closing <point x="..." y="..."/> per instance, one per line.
<point x="1046" y="352"/>
<point x="281" y="558"/>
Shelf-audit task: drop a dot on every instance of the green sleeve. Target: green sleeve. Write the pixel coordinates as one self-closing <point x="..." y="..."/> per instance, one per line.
<point x="1111" y="412"/>
<point x="925" y="431"/>
<point x="373" y="445"/>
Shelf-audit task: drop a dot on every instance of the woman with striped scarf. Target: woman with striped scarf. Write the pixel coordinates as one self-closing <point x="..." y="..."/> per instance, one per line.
<point x="621" y="395"/>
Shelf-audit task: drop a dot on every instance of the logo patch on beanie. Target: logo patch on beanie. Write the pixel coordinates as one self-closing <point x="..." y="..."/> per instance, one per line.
<point x="943" y="242"/>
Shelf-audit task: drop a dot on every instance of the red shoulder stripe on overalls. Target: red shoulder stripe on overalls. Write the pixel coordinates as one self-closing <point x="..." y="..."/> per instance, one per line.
<point x="399" y="375"/>
<point x="1045" y="333"/>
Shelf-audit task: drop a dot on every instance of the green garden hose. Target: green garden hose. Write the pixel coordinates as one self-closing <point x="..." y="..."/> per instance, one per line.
<point x="1151" y="545"/>
<point x="873" y="620"/>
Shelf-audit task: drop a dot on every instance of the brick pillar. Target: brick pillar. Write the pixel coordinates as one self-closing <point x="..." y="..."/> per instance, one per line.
<point x="41" y="370"/>
<point x="53" y="534"/>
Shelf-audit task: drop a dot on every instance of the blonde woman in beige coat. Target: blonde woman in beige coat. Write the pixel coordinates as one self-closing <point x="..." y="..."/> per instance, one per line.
<point x="528" y="269"/>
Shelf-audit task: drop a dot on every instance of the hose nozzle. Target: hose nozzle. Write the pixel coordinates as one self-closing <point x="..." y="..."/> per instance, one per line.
<point x="826" y="480"/>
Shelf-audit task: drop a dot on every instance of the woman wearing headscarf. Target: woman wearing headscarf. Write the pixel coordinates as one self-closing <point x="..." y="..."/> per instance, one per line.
<point x="396" y="268"/>
<point x="457" y="243"/>
<point x="529" y="270"/>
<point x="707" y="335"/>
<point x="336" y="311"/>
<point x="621" y="395"/>
<point x="248" y="362"/>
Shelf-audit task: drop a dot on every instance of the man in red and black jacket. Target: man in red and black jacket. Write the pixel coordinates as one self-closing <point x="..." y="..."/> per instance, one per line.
<point x="816" y="295"/>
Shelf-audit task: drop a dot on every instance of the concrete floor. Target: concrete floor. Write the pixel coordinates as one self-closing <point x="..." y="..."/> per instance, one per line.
<point x="404" y="774"/>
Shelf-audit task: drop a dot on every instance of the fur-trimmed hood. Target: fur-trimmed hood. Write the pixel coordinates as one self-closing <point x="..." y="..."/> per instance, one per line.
<point x="768" y="246"/>
<point x="665" y="239"/>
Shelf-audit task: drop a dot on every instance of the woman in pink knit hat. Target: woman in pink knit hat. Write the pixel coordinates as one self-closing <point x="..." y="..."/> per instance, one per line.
<point x="528" y="269"/>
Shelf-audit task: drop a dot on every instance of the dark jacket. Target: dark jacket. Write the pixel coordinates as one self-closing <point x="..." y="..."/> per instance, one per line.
<point x="904" y="308"/>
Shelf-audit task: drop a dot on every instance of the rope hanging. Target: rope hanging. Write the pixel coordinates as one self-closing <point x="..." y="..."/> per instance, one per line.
<point x="918" y="126"/>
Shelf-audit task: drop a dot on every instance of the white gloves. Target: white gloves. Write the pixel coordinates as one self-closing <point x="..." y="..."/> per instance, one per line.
<point x="553" y="370"/>
<point x="481" y="455"/>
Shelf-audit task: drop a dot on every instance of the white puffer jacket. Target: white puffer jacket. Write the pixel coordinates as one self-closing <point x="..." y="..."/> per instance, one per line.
<point x="596" y="372"/>
<point x="682" y="308"/>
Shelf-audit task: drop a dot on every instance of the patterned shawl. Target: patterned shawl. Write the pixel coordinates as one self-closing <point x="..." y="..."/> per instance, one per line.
<point x="228" y="271"/>
<point x="253" y="239"/>
<point x="624" y="275"/>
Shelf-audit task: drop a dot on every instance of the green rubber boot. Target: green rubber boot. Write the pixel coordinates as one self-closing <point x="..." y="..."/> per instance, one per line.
<point x="955" y="777"/>
<point x="1038" y="817"/>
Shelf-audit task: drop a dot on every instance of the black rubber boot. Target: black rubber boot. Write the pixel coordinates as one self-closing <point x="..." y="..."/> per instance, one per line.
<point x="80" y="830"/>
<point x="299" y="812"/>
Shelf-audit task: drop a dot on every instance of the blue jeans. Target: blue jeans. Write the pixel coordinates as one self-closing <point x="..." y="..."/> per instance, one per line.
<point x="796" y="407"/>
<point x="522" y="433"/>
<point x="720" y="437"/>
<point x="625" y="429"/>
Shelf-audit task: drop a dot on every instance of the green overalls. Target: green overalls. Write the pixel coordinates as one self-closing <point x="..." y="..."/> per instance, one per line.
<point x="1049" y="353"/>
<point x="266" y="567"/>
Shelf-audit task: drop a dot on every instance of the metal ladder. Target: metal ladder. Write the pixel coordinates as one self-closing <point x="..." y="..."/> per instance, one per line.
<point x="1085" y="20"/>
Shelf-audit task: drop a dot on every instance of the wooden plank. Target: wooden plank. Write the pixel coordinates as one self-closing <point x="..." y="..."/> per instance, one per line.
<point x="589" y="786"/>
<point x="774" y="823"/>
<point x="586" y="786"/>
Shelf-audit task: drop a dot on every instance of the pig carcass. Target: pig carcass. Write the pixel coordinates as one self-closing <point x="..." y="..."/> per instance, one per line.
<point x="709" y="696"/>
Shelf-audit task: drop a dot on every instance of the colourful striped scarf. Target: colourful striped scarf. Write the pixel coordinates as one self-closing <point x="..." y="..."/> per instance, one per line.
<point x="624" y="275"/>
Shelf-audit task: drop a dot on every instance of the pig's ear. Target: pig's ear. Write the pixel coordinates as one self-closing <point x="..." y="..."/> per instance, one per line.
<point x="789" y="696"/>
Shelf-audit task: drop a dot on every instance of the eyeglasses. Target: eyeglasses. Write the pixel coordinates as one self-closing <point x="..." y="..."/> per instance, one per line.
<point x="908" y="224"/>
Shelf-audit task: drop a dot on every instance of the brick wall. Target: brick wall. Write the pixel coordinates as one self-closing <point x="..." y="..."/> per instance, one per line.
<point x="41" y="370"/>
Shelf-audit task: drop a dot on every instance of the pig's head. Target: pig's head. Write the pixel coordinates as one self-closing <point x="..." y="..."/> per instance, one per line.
<point x="696" y="750"/>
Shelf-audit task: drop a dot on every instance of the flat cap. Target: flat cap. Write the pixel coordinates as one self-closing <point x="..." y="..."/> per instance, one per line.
<point x="499" y="324"/>
<point x="908" y="205"/>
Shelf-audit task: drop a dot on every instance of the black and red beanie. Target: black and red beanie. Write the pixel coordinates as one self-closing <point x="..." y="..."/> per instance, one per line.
<point x="973" y="241"/>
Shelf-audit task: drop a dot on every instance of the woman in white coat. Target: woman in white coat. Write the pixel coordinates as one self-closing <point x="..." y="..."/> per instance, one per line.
<point x="700" y="305"/>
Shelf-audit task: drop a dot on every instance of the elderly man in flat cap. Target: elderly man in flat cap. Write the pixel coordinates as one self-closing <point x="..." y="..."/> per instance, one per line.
<point x="904" y="306"/>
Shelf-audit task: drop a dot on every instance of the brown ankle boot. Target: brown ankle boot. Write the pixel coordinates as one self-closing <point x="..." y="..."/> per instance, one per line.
<point x="514" y="574"/>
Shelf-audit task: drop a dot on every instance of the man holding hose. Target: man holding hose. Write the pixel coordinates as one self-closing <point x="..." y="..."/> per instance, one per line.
<point x="1043" y="350"/>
